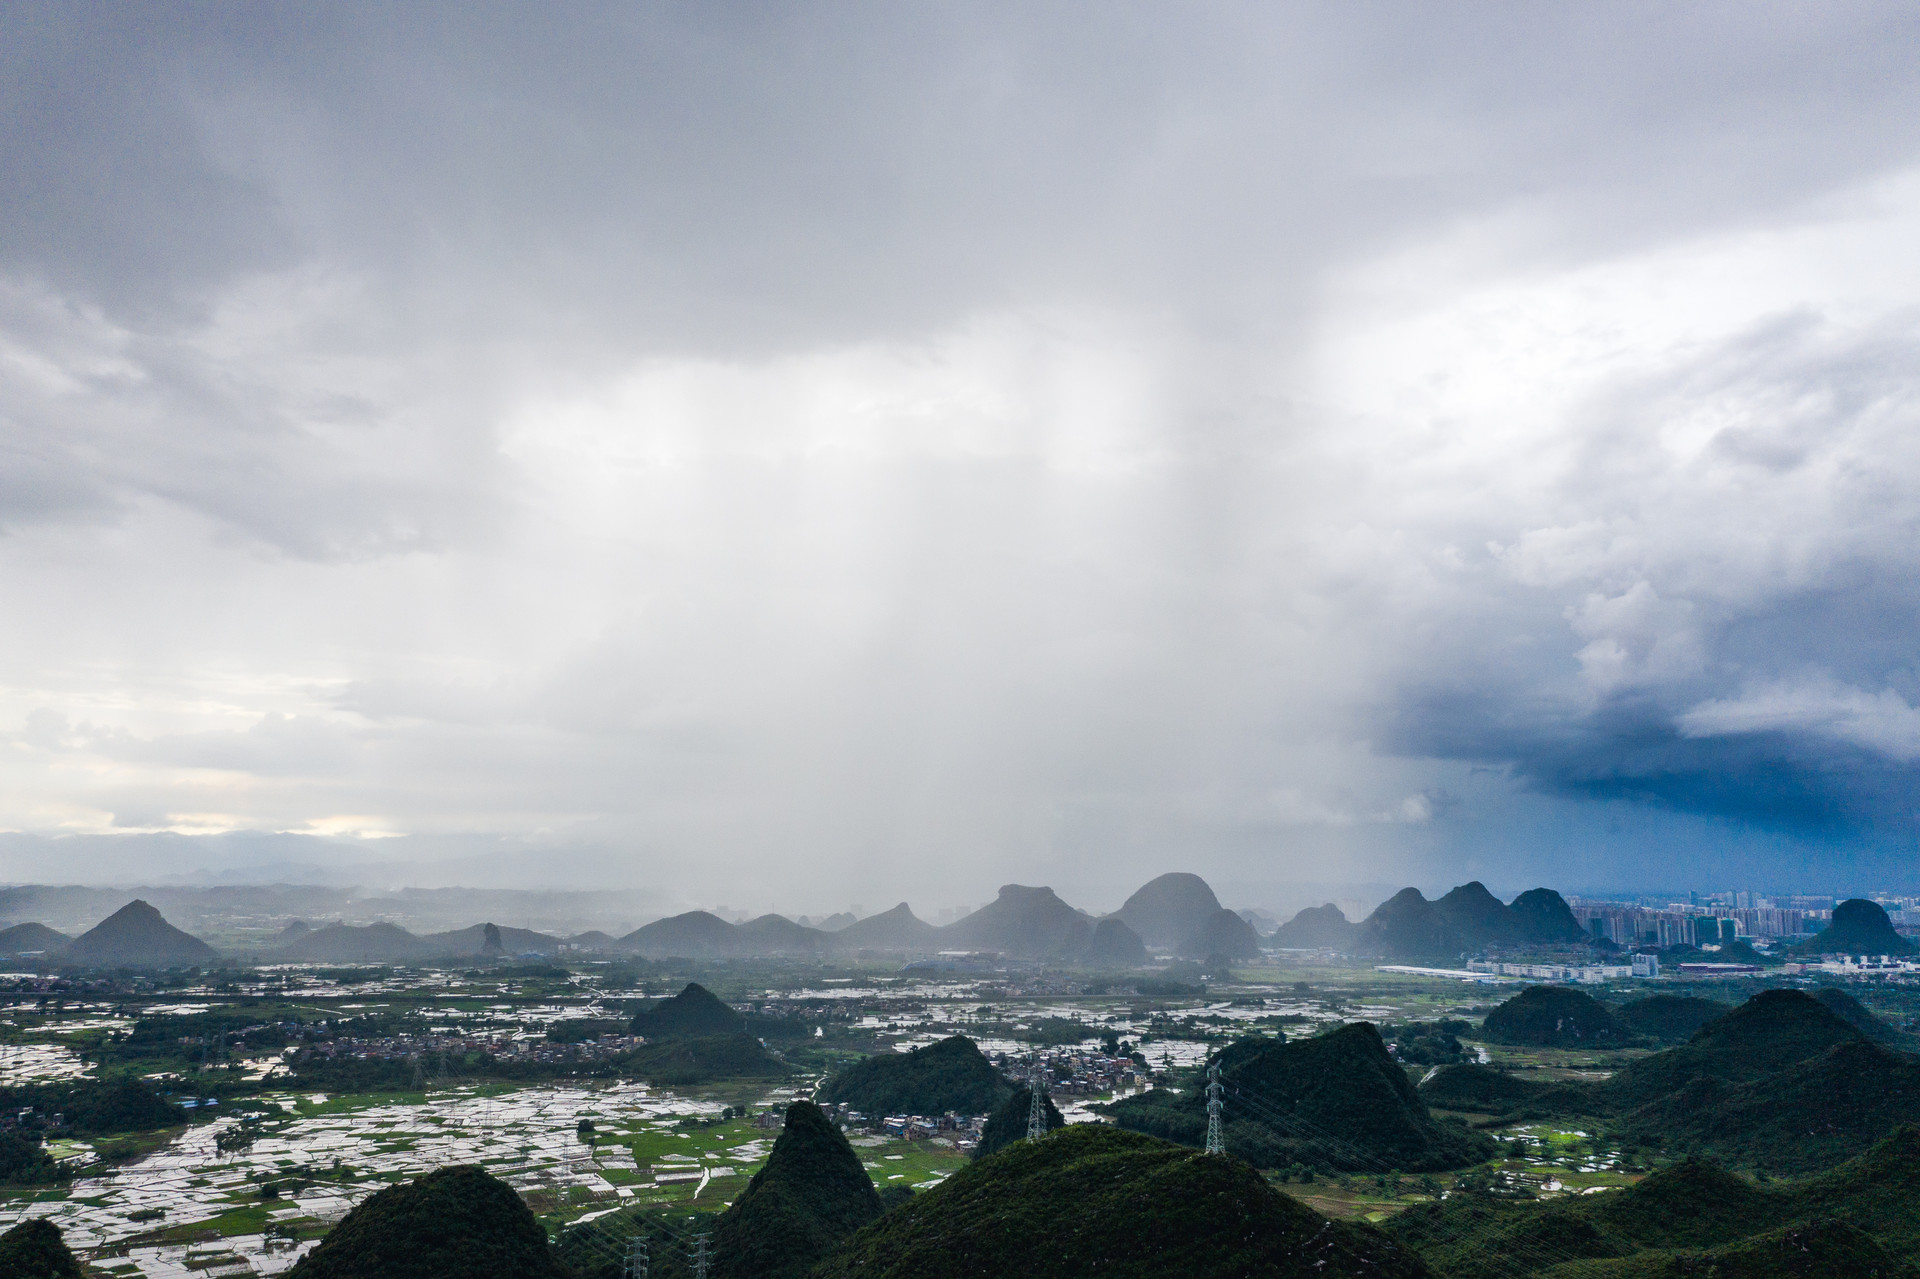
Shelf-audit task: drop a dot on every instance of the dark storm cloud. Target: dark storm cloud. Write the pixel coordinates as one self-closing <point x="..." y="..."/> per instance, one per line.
<point x="1759" y="662"/>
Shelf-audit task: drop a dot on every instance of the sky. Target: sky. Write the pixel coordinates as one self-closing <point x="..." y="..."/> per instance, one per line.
<point x="785" y="455"/>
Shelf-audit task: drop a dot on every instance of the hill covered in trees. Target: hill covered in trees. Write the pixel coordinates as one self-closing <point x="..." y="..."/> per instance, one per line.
<point x="1669" y="1018"/>
<point x="1555" y="1017"/>
<point x="92" y="1107"/>
<point x="1690" y="1214"/>
<point x="812" y="1194"/>
<point x="454" y="1221"/>
<point x="949" y="1076"/>
<point x="25" y="1162"/>
<point x="29" y="939"/>
<point x="137" y="936"/>
<point x="1096" y="1200"/>
<point x="703" y="1059"/>
<point x="1008" y="1123"/>
<point x="1781" y="1083"/>
<point x="1861" y="1018"/>
<point x="1335" y="1101"/>
<point x="694" y="1011"/>
<point x="1858" y="927"/>
<point x="34" y="1249"/>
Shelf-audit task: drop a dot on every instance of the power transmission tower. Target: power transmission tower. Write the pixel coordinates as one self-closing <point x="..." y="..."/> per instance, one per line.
<point x="700" y="1257"/>
<point x="1216" y="1144"/>
<point x="1037" y="1105"/>
<point x="636" y="1267"/>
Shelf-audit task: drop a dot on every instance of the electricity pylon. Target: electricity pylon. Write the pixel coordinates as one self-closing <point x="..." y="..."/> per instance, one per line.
<point x="1037" y="1104"/>
<point x="636" y="1267"/>
<point x="700" y="1257"/>
<point x="1216" y="1144"/>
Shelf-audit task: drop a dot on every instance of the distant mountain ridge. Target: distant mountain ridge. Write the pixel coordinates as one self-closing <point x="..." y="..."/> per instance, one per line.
<point x="1408" y="926"/>
<point x="1175" y="913"/>
<point x="1022" y="921"/>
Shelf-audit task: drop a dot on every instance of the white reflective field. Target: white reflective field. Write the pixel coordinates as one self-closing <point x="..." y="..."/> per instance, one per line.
<point x="527" y="1137"/>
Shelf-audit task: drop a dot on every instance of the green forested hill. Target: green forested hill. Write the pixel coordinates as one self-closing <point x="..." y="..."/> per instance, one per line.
<point x="1670" y="1018"/>
<point x="1483" y="1090"/>
<point x="694" y="1011"/>
<point x="1781" y="1083"/>
<point x="697" y="1061"/>
<point x="1811" y="1250"/>
<point x="1554" y="1016"/>
<point x="1861" y="1018"/>
<point x="1689" y="1214"/>
<point x="34" y="1250"/>
<point x="454" y="1221"/>
<point x="950" y="1075"/>
<point x="1337" y="1101"/>
<point x="1095" y="1200"/>
<point x="1008" y="1123"/>
<point x="811" y="1195"/>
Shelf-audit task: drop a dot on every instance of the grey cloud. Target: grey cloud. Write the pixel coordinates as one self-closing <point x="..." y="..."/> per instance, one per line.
<point x="1769" y="674"/>
<point x="789" y="443"/>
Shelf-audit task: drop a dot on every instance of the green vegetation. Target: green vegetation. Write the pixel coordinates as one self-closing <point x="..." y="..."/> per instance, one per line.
<point x="678" y="1062"/>
<point x="94" y="1106"/>
<point x="1091" y="1199"/>
<point x="450" y="1222"/>
<point x="1659" y="1226"/>
<point x="1554" y="1017"/>
<point x="580" y="1029"/>
<point x="1423" y="1043"/>
<point x="1669" y="1018"/>
<point x="1336" y="1101"/>
<point x="1858" y="1016"/>
<point x="34" y="1250"/>
<point x="1483" y="1090"/>
<point x="598" y="1249"/>
<point x="948" y="1076"/>
<point x="695" y="1011"/>
<point x="1815" y="1250"/>
<point x="811" y="1195"/>
<point x="1780" y="1083"/>
<point x="23" y="1162"/>
<point x="1008" y="1123"/>
<point x="1858" y="927"/>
